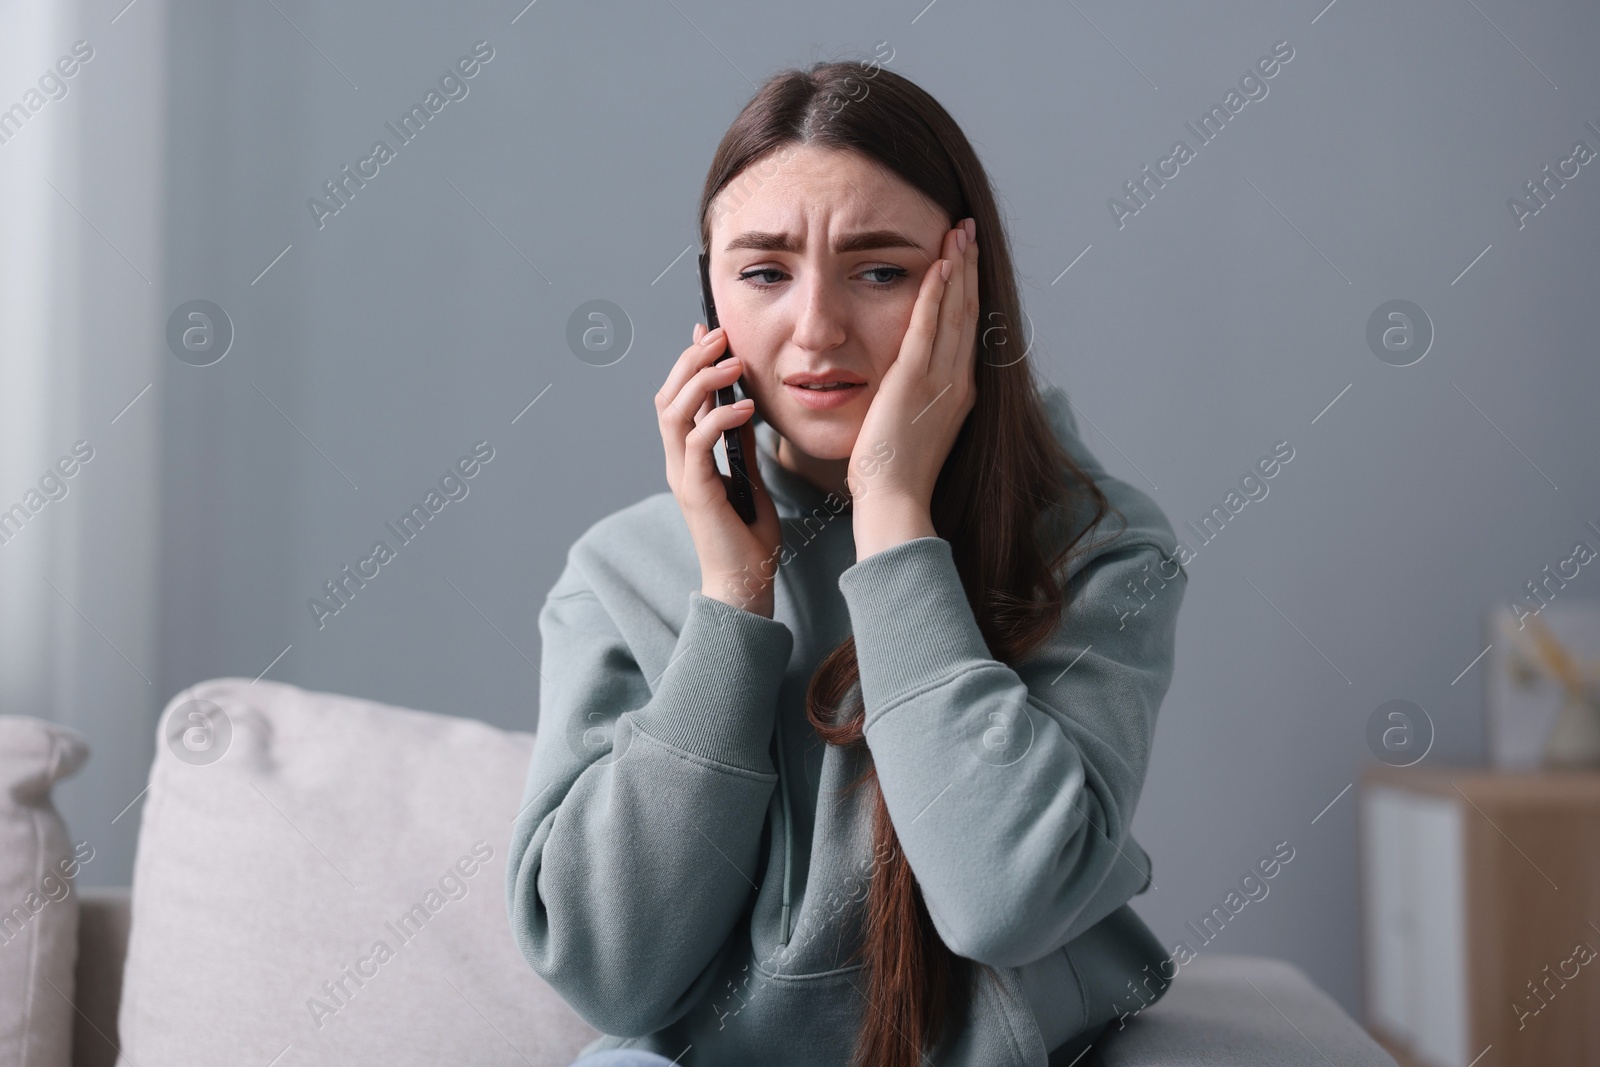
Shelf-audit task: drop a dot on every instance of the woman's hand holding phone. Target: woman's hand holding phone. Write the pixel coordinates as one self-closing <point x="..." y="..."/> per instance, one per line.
<point x="737" y="562"/>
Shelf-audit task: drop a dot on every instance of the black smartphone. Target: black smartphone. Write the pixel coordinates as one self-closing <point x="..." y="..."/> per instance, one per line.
<point x="740" y="493"/>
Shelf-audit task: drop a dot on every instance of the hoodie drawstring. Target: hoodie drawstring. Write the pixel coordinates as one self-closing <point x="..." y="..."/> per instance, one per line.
<point x="764" y="435"/>
<point x="788" y="836"/>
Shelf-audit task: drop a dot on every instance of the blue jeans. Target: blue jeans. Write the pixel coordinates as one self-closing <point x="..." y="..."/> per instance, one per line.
<point x="1071" y="1051"/>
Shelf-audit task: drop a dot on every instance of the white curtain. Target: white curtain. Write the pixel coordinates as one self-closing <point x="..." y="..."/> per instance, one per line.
<point x="81" y="335"/>
<point x="26" y="265"/>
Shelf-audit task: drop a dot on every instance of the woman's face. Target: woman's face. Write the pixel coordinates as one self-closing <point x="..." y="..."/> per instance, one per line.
<point x="816" y="258"/>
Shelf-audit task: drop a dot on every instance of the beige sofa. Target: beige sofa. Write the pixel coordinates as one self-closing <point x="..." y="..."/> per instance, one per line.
<point x="285" y="834"/>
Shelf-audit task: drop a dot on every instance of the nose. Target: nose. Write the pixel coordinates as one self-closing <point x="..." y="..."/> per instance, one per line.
<point x="817" y="326"/>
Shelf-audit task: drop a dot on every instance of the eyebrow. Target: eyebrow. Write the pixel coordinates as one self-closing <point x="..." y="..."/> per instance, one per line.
<point x="765" y="241"/>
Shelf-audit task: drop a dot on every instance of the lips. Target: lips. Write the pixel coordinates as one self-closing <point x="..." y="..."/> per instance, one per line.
<point x="820" y="390"/>
<point x="827" y="396"/>
<point x="831" y="377"/>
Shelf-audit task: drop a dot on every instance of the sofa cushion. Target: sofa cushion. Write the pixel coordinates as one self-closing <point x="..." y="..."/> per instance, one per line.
<point x="1240" y="1011"/>
<point x="38" y="909"/>
<point x="320" y="880"/>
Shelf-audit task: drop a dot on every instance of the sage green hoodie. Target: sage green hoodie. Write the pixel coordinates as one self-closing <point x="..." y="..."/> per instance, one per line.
<point x="685" y="869"/>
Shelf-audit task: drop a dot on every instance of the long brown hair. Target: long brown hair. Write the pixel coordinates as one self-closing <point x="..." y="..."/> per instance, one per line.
<point x="1005" y="476"/>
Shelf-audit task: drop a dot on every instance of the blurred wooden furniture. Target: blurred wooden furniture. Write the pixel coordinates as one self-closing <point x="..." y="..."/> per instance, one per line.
<point x="1481" y="915"/>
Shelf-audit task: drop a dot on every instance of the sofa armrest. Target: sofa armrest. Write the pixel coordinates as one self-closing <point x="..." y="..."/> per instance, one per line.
<point x="104" y="915"/>
<point x="1231" y="1010"/>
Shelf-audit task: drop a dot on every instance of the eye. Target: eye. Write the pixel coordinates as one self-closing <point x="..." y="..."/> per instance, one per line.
<point x="889" y="277"/>
<point x="895" y="274"/>
<point x="747" y="275"/>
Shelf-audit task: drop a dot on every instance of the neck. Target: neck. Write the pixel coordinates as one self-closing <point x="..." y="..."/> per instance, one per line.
<point x="826" y="474"/>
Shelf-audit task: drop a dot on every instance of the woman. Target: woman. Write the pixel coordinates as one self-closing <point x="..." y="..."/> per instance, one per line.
<point x="852" y="783"/>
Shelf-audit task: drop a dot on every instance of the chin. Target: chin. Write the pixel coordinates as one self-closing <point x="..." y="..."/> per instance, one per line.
<point x="820" y="436"/>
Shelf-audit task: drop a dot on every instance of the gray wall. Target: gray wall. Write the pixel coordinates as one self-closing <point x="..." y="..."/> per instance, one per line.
<point x="1221" y="319"/>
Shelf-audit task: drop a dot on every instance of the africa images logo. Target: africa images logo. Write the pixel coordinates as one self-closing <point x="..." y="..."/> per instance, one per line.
<point x="453" y="87"/>
<point x="343" y="587"/>
<point x="1252" y="86"/>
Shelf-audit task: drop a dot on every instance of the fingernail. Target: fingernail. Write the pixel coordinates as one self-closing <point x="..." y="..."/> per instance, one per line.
<point x="961" y="237"/>
<point x="711" y="335"/>
<point x="944" y="269"/>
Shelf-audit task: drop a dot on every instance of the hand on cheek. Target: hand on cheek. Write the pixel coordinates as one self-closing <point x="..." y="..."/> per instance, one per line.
<point x="921" y="404"/>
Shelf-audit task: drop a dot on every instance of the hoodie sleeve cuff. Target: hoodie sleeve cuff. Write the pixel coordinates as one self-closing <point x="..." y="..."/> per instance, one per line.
<point x="912" y="622"/>
<point x="719" y="694"/>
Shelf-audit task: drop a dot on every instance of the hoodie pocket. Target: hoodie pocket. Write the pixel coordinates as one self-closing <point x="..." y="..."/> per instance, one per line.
<point x="773" y="1020"/>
